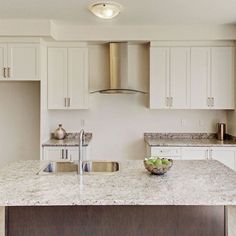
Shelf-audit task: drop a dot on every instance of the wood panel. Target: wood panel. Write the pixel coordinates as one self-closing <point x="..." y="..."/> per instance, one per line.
<point x="116" y="221"/>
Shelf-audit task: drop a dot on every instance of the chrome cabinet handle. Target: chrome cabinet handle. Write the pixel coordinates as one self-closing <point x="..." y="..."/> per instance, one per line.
<point x="208" y="102"/>
<point x="8" y="72"/>
<point x="212" y="102"/>
<point x="171" y="101"/>
<point x="62" y="154"/>
<point x="167" y="101"/>
<point x="4" y="72"/>
<point x="68" y="103"/>
<point x="65" y="102"/>
<point x="66" y="154"/>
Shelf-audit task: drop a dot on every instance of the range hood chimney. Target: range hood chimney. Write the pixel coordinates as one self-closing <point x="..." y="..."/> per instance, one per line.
<point x="118" y="83"/>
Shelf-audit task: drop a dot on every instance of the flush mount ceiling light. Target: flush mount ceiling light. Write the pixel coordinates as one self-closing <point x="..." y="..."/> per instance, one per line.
<point x="105" y="10"/>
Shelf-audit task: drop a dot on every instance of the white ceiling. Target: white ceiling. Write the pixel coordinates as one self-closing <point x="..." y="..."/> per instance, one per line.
<point x="144" y="12"/>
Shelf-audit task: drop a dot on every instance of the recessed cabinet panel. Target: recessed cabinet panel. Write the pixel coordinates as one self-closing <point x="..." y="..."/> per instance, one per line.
<point x="53" y="153"/>
<point x="195" y="153"/>
<point x="225" y="156"/>
<point x="23" y="60"/>
<point x="200" y="77"/>
<point x="159" y="77"/>
<point x="3" y="61"/>
<point x="57" y="78"/>
<point x="179" y="77"/>
<point x="222" y="77"/>
<point x="77" y="78"/>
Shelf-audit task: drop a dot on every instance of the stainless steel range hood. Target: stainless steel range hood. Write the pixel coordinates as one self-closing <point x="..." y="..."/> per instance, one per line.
<point x="118" y="82"/>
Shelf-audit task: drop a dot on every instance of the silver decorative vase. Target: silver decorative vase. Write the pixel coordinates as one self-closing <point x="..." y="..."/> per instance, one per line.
<point x="60" y="133"/>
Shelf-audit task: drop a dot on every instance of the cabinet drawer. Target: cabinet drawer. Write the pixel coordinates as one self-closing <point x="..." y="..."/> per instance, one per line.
<point x="165" y="151"/>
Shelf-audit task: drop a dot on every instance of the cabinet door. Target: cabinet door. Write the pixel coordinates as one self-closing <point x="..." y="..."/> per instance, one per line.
<point x="53" y="153"/>
<point x="57" y="78"/>
<point x="166" y="152"/>
<point x="78" y="78"/>
<point x="180" y="77"/>
<point x="222" y="77"/>
<point x="73" y="153"/>
<point x="225" y="156"/>
<point x="200" y="77"/>
<point x="159" y="77"/>
<point x="23" y="61"/>
<point x="3" y="60"/>
<point x="195" y="153"/>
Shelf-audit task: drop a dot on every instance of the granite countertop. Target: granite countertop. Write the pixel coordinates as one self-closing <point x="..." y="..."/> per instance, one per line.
<point x="72" y="139"/>
<point x="185" y="140"/>
<point x="202" y="182"/>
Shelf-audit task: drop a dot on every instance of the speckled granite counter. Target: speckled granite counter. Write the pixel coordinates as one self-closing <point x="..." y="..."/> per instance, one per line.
<point x="197" y="140"/>
<point x="187" y="183"/>
<point x="72" y="139"/>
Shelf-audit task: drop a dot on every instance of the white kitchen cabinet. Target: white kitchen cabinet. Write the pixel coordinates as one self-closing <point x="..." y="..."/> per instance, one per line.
<point x="19" y="61"/>
<point x="53" y="153"/>
<point x="23" y="61"/>
<point x="159" y="78"/>
<point x="224" y="155"/>
<point x="169" y="77"/>
<point x="222" y="77"/>
<point x="195" y="153"/>
<point x="3" y="60"/>
<point x="57" y="78"/>
<point x="179" y="78"/>
<point x="200" y="77"/>
<point x="64" y="153"/>
<point x="192" y="77"/>
<point x="67" y="78"/>
<point x="165" y="152"/>
<point x="78" y="78"/>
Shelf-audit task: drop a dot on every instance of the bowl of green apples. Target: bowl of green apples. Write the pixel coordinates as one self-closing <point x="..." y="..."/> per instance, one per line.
<point x="158" y="166"/>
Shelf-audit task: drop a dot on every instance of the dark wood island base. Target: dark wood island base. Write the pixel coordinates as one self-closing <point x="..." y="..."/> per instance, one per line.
<point x="115" y="221"/>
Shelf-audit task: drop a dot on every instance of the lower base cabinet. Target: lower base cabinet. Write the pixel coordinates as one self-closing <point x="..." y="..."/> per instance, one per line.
<point x="63" y="153"/>
<point x="115" y="221"/>
<point x="225" y="155"/>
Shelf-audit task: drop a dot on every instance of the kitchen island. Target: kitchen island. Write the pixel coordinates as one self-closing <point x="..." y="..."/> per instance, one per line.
<point x="196" y="190"/>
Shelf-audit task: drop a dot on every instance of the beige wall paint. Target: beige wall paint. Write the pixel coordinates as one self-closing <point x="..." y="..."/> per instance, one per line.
<point x="19" y="121"/>
<point x="119" y="121"/>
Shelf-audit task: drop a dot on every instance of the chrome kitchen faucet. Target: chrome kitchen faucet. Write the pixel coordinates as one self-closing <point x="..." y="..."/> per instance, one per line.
<point x="80" y="162"/>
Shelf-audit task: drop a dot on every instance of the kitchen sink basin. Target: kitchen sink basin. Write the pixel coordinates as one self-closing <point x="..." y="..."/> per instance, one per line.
<point x="88" y="167"/>
<point x="100" y="166"/>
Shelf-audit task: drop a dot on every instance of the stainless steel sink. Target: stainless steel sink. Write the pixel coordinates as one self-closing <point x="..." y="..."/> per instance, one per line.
<point x="100" y="166"/>
<point x="88" y="167"/>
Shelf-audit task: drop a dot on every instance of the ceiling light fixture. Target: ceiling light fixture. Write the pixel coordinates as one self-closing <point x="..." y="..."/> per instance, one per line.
<point x="105" y="10"/>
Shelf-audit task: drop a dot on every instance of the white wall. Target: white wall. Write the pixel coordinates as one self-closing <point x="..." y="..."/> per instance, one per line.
<point x="119" y="121"/>
<point x="19" y="121"/>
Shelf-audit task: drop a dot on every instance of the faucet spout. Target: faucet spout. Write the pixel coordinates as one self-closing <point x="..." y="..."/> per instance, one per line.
<point x="81" y="142"/>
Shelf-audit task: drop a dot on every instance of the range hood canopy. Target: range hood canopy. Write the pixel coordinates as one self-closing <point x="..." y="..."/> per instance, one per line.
<point x="118" y="81"/>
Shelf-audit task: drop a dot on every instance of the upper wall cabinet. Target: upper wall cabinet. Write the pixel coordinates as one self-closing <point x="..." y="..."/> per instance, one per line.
<point x="169" y="77"/>
<point x="222" y="78"/>
<point x="19" y="61"/>
<point x="67" y="78"/>
<point x="192" y="77"/>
